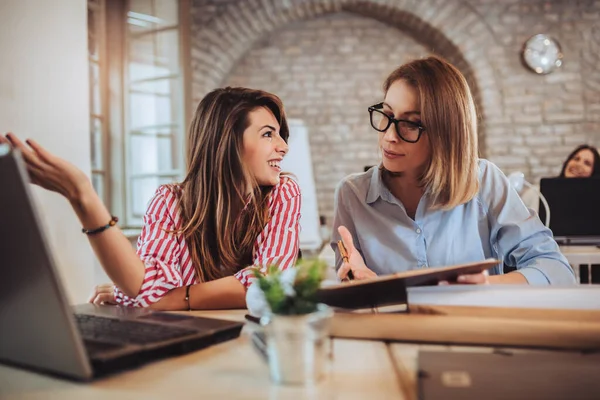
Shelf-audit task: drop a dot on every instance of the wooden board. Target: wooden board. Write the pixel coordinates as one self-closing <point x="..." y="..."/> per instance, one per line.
<point x="552" y="329"/>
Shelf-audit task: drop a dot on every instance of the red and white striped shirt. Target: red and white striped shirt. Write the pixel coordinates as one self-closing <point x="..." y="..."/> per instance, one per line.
<point x="167" y="257"/>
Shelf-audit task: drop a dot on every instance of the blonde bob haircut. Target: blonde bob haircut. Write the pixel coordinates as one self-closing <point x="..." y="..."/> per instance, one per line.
<point x="449" y="116"/>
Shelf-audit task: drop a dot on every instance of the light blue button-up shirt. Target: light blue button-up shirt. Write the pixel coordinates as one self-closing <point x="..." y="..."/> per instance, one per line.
<point x="494" y="224"/>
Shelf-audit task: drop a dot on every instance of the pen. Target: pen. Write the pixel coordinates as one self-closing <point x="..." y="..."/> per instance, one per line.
<point x="252" y="318"/>
<point x="344" y="254"/>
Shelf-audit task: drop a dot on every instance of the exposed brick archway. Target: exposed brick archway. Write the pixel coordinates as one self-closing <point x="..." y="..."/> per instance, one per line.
<point x="450" y="29"/>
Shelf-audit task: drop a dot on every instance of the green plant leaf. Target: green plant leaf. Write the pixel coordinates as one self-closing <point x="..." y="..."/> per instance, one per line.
<point x="309" y="275"/>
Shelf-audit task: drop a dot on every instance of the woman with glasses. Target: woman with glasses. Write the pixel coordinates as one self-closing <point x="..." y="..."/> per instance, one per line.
<point x="432" y="202"/>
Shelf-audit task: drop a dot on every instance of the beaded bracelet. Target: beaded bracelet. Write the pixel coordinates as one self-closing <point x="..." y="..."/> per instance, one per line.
<point x="113" y="221"/>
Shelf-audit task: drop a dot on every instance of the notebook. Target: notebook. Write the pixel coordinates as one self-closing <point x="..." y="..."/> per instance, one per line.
<point x="391" y="289"/>
<point x="574" y="209"/>
<point x="40" y="331"/>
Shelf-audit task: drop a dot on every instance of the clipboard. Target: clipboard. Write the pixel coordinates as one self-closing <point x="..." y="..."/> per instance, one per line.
<point x="391" y="289"/>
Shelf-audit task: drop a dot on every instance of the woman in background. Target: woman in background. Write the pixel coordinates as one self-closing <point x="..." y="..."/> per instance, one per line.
<point x="583" y="162"/>
<point x="201" y="238"/>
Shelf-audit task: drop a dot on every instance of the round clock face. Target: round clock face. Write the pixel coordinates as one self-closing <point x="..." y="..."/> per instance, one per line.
<point x="542" y="54"/>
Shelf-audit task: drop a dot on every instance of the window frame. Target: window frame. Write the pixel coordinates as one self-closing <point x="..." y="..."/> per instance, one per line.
<point x="99" y="36"/>
<point x="117" y="156"/>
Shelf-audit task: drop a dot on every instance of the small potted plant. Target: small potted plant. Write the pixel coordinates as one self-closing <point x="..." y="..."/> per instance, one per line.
<point x="296" y="325"/>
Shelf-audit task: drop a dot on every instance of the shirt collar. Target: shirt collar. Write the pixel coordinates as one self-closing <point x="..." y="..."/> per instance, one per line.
<point x="377" y="188"/>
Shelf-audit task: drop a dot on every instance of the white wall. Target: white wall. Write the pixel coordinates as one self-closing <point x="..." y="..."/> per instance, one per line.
<point x="298" y="161"/>
<point x="44" y="93"/>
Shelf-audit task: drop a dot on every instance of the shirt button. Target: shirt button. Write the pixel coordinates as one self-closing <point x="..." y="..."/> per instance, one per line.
<point x="418" y="231"/>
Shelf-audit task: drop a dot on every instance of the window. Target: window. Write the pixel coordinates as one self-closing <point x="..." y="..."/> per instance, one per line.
<point x="154" y="111"/>
<point x="137" y="100"/>
<point x="98" y="108"/>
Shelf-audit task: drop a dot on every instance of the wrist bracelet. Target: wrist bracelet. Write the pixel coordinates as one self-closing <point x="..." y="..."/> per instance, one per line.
<point x="187" y="297"/>
<point x="113" y="221"/>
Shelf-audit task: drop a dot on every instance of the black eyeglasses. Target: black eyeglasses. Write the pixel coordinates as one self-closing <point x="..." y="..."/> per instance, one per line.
<point x="408" y="131"/>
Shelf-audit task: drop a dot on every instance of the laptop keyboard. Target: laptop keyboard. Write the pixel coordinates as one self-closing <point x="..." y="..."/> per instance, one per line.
<point x="112" y="330"/>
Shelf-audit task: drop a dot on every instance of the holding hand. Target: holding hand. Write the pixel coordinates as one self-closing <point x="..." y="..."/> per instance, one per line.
<point x="482" y="278"/>
<point x="49" y="171"/>
<point x="355" y="262"/>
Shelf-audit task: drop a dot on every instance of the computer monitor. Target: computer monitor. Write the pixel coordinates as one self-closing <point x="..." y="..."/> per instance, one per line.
<point x="574" y="209"/>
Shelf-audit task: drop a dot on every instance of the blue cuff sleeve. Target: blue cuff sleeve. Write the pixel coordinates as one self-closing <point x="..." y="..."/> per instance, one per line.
<point x="534" y="276"/>
<point x="546" y="271"/>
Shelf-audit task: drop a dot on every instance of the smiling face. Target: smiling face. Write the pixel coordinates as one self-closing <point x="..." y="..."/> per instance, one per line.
<point x="580" y="165"/>
<point x="402" y="102"/>
<point x="264" y="148"/>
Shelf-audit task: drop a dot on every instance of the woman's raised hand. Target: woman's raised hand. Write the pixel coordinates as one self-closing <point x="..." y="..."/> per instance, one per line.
<point x="49" y="171"/>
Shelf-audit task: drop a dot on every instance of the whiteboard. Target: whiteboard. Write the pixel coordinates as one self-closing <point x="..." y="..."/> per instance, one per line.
<point x="298" y="162"/>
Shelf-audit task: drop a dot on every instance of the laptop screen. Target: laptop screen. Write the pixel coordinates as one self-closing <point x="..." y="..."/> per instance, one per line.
<point x="574" y="206"/>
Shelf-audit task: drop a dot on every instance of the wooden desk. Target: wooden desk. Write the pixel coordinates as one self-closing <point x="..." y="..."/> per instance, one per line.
<point x="360" y="369"/>
<point x="230" y="370"/>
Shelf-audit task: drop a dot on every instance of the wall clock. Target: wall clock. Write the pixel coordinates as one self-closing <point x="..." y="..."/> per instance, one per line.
<point x="542" y="54"/>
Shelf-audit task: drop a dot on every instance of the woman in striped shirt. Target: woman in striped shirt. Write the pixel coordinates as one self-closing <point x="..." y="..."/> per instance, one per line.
<point x="234" y="211"/>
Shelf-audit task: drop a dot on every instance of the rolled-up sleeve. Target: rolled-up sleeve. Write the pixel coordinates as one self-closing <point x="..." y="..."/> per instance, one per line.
<point x="518" y="235"/>
<point x="279" y="241"/>
<point x="159" y="249"/>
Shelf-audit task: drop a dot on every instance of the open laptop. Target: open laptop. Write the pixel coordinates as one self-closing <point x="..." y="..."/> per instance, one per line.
<point x="40" y="331"/>
<point x="574" y="209"/>
<point x="508" y="375"/>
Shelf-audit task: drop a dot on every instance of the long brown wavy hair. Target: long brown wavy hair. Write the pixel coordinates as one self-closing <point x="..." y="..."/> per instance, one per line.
<point x="220" y="221"/>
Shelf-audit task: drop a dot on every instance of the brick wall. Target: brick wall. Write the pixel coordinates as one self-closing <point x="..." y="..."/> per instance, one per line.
<point x="327" y="71"/>
<point x="327" y="59"/>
